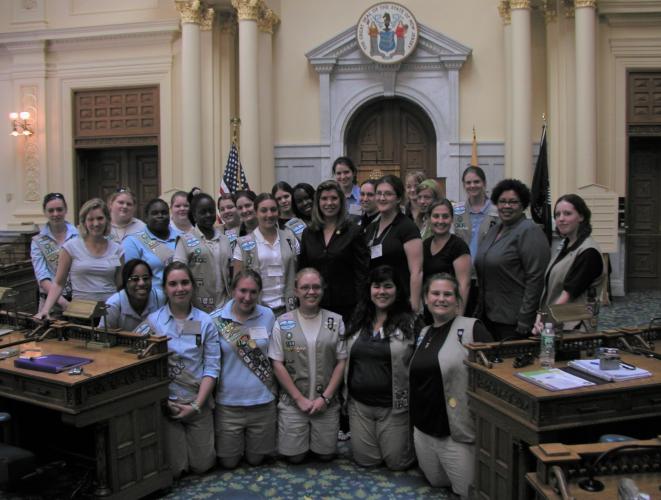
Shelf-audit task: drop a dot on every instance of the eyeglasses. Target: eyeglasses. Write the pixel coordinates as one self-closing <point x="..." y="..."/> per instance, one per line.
<point x="134" y="278"/>
<point x="385" y="194"/>
<point x="511" y="203"/>
<point x="308" y="288"/>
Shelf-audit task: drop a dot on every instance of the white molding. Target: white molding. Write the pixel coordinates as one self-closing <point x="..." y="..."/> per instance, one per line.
<point x="607" y="7"/>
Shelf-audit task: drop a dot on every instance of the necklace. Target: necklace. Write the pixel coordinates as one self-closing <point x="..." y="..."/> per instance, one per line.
<point x="308" y="316"/>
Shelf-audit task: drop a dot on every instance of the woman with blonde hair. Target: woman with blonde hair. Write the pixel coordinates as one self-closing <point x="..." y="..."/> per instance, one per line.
<point x="92" y="261"/>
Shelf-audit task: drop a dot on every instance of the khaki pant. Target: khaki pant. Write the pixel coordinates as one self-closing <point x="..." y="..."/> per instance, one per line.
<point x="190" y="443"/>
<point x="242" y="430"/>
<point x="299" y="432"/>
<point x="445" y="462"/>
<point x="380" y="435"/>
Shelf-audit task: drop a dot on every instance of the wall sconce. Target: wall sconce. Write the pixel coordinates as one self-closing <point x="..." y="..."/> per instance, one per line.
<point x="20" y="124"/>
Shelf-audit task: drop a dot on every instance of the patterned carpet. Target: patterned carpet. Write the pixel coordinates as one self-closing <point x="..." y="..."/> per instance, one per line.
<point x="340" y="479"/>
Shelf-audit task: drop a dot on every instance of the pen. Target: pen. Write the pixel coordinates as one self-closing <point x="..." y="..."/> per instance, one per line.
<point x="627" y="366"/>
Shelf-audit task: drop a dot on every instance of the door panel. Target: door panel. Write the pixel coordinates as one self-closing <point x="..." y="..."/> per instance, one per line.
<point x="102" y="171"/>
<point x="392" y="135"/>
<point x="644" y="215"/>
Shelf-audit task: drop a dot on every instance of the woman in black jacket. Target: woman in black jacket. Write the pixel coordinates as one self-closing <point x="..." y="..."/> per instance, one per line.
<point x="335" y="247"/>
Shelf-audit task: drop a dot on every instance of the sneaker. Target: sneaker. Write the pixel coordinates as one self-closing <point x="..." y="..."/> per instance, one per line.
<point x="343" y="436"/>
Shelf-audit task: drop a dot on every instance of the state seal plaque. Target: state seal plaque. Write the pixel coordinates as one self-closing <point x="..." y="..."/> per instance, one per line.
<point x="387" y="32"/>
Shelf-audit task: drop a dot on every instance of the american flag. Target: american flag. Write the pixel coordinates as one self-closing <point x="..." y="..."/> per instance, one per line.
<point x="233" y="179"/>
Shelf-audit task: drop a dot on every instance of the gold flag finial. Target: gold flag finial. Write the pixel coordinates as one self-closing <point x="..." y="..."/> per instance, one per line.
<point x="474" y="162"/>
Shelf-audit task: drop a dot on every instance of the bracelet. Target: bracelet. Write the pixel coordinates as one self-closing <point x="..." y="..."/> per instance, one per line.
<point x="326" y="400"/>
<point x="195" y="407"/>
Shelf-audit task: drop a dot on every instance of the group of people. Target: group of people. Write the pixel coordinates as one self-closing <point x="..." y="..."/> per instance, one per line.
<point x="285" y="309"/>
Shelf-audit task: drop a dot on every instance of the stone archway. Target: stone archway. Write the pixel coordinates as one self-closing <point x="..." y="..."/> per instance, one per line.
<point x="393" y="136"/>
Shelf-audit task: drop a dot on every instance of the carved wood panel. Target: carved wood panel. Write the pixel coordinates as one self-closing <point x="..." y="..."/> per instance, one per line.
<point x="644" y="106"/>
<point x="644" y="215"/>
<point x="392" y="132"/>
<point x="104" y="113"/>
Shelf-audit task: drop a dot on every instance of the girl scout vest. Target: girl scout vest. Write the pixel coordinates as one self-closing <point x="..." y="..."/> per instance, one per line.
<point x="156" y="246"/>
<point x="462" y="221"/>
<point x="249" y="254"/>
<point x="556" y="277"/>
<point x="455" y="378"/>
<point x="296" y="352"/>
<point x="210" y="269"/>
<point x="401" y="350"/>
<point x="296" y="226"/>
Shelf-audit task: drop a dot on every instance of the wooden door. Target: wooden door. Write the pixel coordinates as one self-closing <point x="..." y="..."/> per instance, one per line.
<point x="392" y="135"/>
<point x="643" y="236"/>
<point x="102" y="171"/>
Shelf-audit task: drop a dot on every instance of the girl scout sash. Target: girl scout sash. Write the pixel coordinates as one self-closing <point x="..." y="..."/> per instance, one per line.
<point x="156" y="247"/>
<point x="247" y="351"/>
<point x="51" y="252"/>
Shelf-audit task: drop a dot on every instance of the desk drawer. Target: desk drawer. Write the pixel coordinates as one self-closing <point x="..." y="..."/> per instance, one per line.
<point x="580" y="410"/>
<point x="43" y="391"/>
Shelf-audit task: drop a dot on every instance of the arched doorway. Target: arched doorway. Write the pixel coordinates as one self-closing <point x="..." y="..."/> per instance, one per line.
<point x="393" y="136"/>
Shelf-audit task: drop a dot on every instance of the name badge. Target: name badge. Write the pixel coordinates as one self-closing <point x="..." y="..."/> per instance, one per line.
<point x="274" y="271"/>
<point x="258" y="333"/>
<point x="376" y="251"/>
<point x="354" y="209"/>
<point x="191" y="327"/>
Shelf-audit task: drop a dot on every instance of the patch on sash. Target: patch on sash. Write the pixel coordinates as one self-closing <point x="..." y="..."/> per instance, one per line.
<point x="192" y="242"/>
<point x="459" y="209"/>
<point x="248" y="245"/>
<point x="287" y="324"/>
<point x="330" y="323"/>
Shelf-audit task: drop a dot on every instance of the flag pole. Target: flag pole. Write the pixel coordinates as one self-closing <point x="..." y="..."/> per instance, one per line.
<point x="474" y="160"/>
<point x="236" y="125"/>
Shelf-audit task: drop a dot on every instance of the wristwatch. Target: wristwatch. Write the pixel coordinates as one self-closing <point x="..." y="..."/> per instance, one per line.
<point x="326" y="400"/>
<point x="196" y="407"/>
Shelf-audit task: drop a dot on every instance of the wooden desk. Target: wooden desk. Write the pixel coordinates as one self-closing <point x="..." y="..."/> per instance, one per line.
<point x="512" y="414"/>
<point x="561" y="468"/>
<point x="118" y="395"/>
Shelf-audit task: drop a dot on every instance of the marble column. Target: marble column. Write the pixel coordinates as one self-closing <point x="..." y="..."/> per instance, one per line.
<point x="267" y="23"/>
<point x="504" y="12"/>
<point x="248" y="12"/>
<point x="585" y="22"/>
<point x="521" y="164"/>
<point x="228" y="83"/>
<point x="193" y="15"/>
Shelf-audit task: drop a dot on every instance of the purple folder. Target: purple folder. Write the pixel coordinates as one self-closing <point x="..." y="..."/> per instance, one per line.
<point x="51" y="363"/>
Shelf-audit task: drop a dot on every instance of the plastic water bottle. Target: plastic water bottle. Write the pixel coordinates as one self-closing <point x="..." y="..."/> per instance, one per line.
<point x="547" y="346"/>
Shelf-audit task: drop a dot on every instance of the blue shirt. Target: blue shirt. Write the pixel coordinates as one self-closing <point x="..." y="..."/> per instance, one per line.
<point x="135" y="248"/>
<point x="195" y="350"/>
<point x="42" y="271"/>
<point x="120" y="313"/>
<point x="238" y="385"/>
<point x="476" y="221"/>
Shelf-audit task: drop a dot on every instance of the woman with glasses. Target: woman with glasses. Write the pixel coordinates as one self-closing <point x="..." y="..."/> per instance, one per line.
<point x="271" y="252"/>
<point x="427" y="193"/>
<point x="135" y="300"/>
<point x="245" y="413"/>
<point x="45" y="247"/>
<point x="156" y="243"/>
<point x="334" y="246"/>
<point x="381" y="340"/>
<point x="309" y="353"/>
<point x="194" y="365"/>
<point x="91" y="261"/>
<point x="122" y="204"/>
<point x="180" y="209"/>
<point x="394" y="239"/>
<point x="510" y="265"/>
<point x="208" y="254"/>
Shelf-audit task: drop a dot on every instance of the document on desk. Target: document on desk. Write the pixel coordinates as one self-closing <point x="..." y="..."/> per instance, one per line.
<point x="553" y="379"/>
<point x="625" y="372"/>
<point x="51" y="363"/>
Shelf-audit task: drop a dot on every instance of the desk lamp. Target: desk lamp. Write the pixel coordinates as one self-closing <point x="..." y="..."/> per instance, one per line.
<point x="91" y="311"/>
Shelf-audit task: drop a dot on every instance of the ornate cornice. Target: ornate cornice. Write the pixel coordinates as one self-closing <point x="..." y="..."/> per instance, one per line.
<point x="248" y="10"/>
<point x="228" y="21"/>
<point x="519" y="4"/>
<point x="504" y="11"/>
<point x="195" y="12"/>
<point x="568" y="8"/>
<point x="585" y="3"/>
<point x="268" y="21"/>
<point x="550" y="11"/>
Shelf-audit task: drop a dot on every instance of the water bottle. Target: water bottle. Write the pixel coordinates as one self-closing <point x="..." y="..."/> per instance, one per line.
<point x="547" y="346"/>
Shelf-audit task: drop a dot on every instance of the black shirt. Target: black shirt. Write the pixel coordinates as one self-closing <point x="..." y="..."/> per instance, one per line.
<point x="392" y="240"/>
<point x="370" y="371"/>
<point x="427" y="410"/>
<point x="443" y="261"/>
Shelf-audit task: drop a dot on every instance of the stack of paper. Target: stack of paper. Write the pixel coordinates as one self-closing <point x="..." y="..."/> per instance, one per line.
<point x="591" y="367"/>
<point x="554" y="379"/>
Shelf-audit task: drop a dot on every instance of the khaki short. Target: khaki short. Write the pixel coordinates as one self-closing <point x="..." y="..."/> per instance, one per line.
<point x="190" y="443"/>
<point x="299" y="432"/>
<point x="245" y="429"/>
